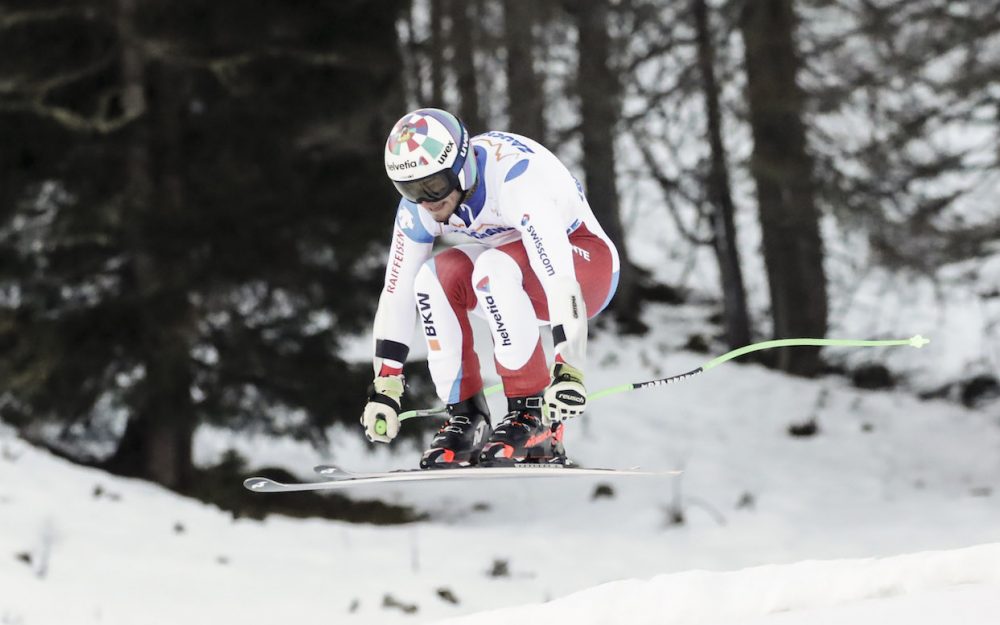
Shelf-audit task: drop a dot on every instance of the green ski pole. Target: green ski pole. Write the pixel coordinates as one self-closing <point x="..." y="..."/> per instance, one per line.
<point x="914" y="341"/>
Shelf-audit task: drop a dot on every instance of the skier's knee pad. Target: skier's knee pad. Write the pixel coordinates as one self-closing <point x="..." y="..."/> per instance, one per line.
<point x="495" y="266"/>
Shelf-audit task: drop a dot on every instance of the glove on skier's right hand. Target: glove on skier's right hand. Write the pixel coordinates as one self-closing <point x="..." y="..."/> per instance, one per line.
<point x="381" y="415"/>
<point x="565" y="397"/>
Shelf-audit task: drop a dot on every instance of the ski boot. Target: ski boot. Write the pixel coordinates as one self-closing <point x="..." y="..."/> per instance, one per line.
<point x="523" y="437"/>
<point x="461" y="438"/>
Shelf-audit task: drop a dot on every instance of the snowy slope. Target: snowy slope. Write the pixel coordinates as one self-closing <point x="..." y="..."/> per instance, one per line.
<point x="959" y="586"/>
<point x="886" y="475"/>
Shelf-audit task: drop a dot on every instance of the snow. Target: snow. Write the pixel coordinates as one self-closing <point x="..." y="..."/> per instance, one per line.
<point x="957" y="586"/>
<point x="776" y="529"/>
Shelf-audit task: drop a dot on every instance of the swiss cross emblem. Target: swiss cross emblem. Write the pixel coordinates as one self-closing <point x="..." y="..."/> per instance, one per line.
<point x="405" y="220"/>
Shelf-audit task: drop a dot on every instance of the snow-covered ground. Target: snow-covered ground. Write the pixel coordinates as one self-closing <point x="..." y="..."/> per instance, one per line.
<point x="776" y="529"/>
<point x="958" y="586"/>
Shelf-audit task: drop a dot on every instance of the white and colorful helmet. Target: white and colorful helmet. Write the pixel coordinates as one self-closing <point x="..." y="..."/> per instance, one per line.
<point x="427" y="155"/>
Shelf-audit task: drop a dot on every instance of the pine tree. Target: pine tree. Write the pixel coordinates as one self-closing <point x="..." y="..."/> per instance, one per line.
<point x="187" y="191"/>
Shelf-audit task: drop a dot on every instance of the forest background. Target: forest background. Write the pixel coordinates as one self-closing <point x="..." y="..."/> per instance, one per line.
<point x="194" y="219"/>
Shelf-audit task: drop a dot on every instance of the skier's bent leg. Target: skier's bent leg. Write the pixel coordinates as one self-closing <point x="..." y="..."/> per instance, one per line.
<point x="444" y="298"/>
<point x="520" y="361"/>
<point x="517" y="347"/>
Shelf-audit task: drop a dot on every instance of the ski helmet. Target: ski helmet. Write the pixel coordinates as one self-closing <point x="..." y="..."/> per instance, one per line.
<point x="427" y="155"/>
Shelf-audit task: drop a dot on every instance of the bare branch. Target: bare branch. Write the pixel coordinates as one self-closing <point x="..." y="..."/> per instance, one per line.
<point x="71" y="120"/>
<point x="670" y="188"/>
<point x="41" y="87"/>
<point x="17" y="18"/>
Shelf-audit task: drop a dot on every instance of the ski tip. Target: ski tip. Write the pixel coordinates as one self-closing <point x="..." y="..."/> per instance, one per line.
<point x="261" y="484"/>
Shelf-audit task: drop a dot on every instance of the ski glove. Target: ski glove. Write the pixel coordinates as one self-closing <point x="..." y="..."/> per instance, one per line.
<point x="565" y="397"/>
<point x="381" y="415"/>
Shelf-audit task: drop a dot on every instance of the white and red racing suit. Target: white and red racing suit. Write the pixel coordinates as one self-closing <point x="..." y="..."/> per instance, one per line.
<point x="535" y="248"/>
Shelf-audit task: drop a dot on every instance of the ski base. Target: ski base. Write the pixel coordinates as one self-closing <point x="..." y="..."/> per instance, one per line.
<point x="341" y="478"/>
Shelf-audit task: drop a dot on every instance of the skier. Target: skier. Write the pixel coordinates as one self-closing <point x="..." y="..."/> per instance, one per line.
<point x="537" y="255"/>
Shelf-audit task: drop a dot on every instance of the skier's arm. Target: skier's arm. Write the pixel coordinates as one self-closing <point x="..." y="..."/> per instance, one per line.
<point x="411" y="246"/>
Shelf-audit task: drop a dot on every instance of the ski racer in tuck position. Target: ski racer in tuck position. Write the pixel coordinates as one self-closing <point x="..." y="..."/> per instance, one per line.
<point x="537" y="255"/>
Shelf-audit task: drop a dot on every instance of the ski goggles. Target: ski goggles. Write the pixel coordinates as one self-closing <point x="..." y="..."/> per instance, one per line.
<point x="431" y="188"/>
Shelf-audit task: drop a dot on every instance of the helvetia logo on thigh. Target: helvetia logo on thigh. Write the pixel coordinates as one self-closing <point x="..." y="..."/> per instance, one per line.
<point x="502" y="332"/>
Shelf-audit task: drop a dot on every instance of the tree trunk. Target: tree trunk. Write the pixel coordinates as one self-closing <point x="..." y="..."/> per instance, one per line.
<point x="157" y="440"/>
<point x="409" y="59"/>
<point x="437" y="46"/>
<point x="737" y="318"/>
<point x="599" y="92"/>
<point x="782" y="170"/>
<point x="524" y="88"/>
<point x="463" y="61"/>
<point x="416" y="57"/>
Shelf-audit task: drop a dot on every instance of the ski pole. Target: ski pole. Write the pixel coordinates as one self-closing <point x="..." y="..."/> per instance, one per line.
<point x="914" y="341"/>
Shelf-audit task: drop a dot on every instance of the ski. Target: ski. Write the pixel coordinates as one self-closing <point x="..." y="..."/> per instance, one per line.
<point x="341" y="478"/>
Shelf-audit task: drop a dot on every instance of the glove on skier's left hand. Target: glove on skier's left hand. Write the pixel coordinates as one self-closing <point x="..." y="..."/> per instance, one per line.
<point x="566" y="396"/>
